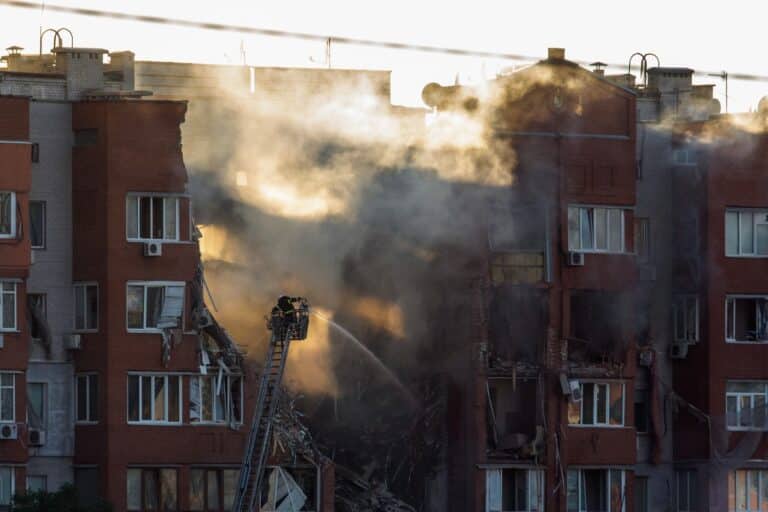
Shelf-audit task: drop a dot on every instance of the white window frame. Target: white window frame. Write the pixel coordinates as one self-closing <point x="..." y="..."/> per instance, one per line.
<point x="12" y="233"/>
<point x="153" y="197"/>
<point x="689" y="476"/>
<point x="3" y="294"/>
<point x="82" y="287"/>
<point x="738" y="396"/>
<point x="739" y="212"/>
<point x="12" y="472"/>
<point x="608" y="473"/>
<point x="152" y="284"/>
<point x="681" y="305"/>
<point x="577" y="245"/>
<point x="226" y="383"/>
<point x="88" y="376"/>
<point x="730" y="303"/>
<point x="607" y="424"/>
<point x="534" y="489"/>
<point x="165" y="377"/>
<point x="12" y="387"/>
<point x="761" y="492"/>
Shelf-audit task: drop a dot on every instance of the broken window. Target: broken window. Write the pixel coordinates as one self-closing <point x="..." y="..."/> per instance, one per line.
<point x="598" y="320"/>
<point x="686" y="318"/>
<point x="7" y="214"/>
<point x="686" y="490"/>
<point x="746" y="318"/>
<point x="642" y="411"/>
<point x="37" y="224"/>
<point x="595" y="229"/>
<point x="517" y="240"/>
<point x="745" y="404"/>
<point x="37" y="405"/>
<point x="216" y="399"/>
<point x="747" y="490"/>
<point x="596" y="490"/>
<point x="152" y="489"/>
<point x="7" y="397"/>
<point x="7" y="487"/>
<point x="517" y="323"/>
<point x="289" y="489"/>
<point x="86" y="306"/>
<point x="7" y="305"/>
<point x="152" y="217"/>
<point x="212" y="489"/>
<point x="154" y="305"/>
<point x="601" y="405"/>
<point x="38" y="324"/>
<point x="746" y="233"/>
<point x="643" y="239"/>
<point x="86" y="397"/>
<point x="154" y="399"/>
<point x="514" y="490"/>
<point x="512" y="412"/>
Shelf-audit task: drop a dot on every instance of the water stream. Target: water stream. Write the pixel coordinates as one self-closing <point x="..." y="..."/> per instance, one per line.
<point x="375" y="360"/>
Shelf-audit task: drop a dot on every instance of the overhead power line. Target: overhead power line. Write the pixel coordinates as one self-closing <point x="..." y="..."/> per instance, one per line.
<point x="243" y="29"/>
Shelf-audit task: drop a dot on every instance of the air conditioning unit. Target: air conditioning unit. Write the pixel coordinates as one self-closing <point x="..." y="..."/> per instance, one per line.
<point x="646" y="357"/>
<point x="153" y="249"/>
<point x="73" y="341"/>
<point x="36" y="437"/>
<point x="678" y="350"/>
<point x="575" y="391"/>
<point x="9" y="431"/>
<point x="575" y="259"/>
<point x="204" y="318"/>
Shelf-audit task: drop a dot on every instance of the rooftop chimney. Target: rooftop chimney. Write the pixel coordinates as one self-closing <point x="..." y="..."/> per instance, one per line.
<point x="598" y="68"/>
<point x="556" y="53"/>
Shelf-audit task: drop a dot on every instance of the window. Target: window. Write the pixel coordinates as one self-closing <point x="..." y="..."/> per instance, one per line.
<point x="643" y="239"/>
<point x="642" y="411"/>
<point x="514" y="490"/>
<point x="86" y="306"/>
<point x="212" y="489"/>
<point x="87" y="485"/>
<point x="596" y="490"/>
<point x="686" y="490"/>
<point x="36" y="307"/>
<point x="746" y="233"/>
<point x="152" y="217"/>
<point x="684" y="156"/>
<point x="37" y="224"/>
<point x="641" y="494"/>
<point x="592" y="229"/>
<point x="154" y="305"/>
<point x="216" y="399"/>
<point x="686" y="318"/>
<point x="7" y="305"/>
<point x="748" y="490"/>
<point x="746" y="318"/>
<point x="7" y="397"/>
<point x="745" y="405"/>
<point x="152" y="489"/>
<point x="154" y="399"/>
<point x="37" y="483"/>
<point x="35" y="152"/>
<point x="37" y="400"/>
<point x="86" y="398"/>
<point x="7" y="481"/>
<point x="7" y="215"/>
<point x="601" y="404"/>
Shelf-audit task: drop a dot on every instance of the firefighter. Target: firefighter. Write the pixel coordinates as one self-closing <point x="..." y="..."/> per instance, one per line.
<point x="285" y="304"/>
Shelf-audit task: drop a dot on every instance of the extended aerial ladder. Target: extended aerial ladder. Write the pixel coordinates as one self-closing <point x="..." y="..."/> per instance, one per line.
<point x="289" y="321"/>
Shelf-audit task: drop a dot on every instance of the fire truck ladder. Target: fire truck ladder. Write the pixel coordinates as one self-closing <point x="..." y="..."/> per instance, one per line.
<point x="248" y="496"/>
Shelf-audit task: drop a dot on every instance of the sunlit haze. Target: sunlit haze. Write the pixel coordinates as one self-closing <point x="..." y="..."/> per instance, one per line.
<point x="685" y="33"/>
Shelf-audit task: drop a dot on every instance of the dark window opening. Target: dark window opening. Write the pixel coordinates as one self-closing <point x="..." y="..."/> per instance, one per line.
<point x="35" y="152"/>
<point x="512" y="414"/>
<point x="598" y="321"/>
<point x="518" y="323"/>
<point x="86" y="137"/>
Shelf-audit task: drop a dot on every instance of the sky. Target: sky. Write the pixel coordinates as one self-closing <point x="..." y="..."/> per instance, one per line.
<point x="682" y="33"/>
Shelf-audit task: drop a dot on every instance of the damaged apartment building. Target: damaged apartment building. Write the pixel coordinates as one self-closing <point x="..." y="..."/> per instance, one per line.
<point x="620" y="356"/>
<point x="111" y="364"/>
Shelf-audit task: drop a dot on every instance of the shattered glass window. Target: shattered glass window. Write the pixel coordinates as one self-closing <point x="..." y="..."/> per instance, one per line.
<point x="151" y="217"/>
<point x="154" y="398"/>
<point x="7" y="214"/>
<point x="215" y="399"/>
<point x="154" y="306"/>
<point x="168" y="489"/>
<point x="7" y="397"/>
